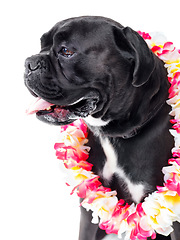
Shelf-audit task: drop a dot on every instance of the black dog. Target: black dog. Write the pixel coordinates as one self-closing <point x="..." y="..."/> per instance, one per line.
<point x="94" y="68"/>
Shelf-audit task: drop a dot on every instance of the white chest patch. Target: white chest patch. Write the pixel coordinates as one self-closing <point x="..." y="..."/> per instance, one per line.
<point x="96" y="122"/>
<point x="111" y="167"/>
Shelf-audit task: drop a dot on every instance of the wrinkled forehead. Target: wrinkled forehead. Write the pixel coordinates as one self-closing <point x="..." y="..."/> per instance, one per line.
<point x="77" y="30"/>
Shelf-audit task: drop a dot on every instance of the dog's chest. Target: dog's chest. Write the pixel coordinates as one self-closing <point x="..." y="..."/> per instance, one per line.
<point x="111" y="167"/>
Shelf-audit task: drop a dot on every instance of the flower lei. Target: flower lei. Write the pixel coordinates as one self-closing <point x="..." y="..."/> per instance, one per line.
<point x="161" y="208"/>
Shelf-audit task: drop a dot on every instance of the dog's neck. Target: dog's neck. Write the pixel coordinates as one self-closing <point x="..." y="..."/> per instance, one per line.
<point x="149" y="106"/>
<point x="114" y="130"/>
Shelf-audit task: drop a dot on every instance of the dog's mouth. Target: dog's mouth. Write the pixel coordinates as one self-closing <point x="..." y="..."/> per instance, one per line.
<point x="62" y="115"/>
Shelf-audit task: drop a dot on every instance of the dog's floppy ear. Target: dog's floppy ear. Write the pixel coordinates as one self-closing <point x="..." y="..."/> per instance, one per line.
<point x="140" y="53"/>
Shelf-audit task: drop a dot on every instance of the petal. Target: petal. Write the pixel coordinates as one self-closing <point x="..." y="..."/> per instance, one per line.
<point x="165" y="231"/>
<point x="144" y="224"/>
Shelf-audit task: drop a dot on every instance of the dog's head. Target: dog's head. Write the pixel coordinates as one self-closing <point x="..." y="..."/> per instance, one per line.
<point x="88" y="67"/>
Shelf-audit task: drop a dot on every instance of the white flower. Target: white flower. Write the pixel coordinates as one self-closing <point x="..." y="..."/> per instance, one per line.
<point x="157" y="38"/>
<point x="160" y="216"/>
<point x="102" y="206"/>
<point x="172" y="68"/>
<point x="176" y="138"/>
<point x="170" y="170"/>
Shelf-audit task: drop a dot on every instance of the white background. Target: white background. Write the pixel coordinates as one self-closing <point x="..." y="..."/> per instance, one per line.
<point x="34" y="202"/>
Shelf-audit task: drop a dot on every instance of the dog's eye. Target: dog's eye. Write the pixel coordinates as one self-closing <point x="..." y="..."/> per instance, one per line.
<point x="65" y="52"/>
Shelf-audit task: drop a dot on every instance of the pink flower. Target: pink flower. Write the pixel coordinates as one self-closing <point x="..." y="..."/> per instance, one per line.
<point x="130" y="219"/>
<point x="80" y="124"/>
<point x="87" y="185"/>
<point x="140" y="227"/>
<point x="119" y="215"/>
<point x="109" y="227"/>
<point x="72" y="164"/>
<point x="175" y="85"/>
<point x="156" y="49"/>
<point x="173" y="185"/>
<point x="176" y="125"/>
<point x="176" y="160"/>
<point x="99" y="193"/>
<point x="68" y="153"/>
<point x="172" y="175"/>
<point x="176" y="153"/>
<point x="144" y="35"/>
<point x="121" y="210"/>
<point x="72" y="149"/>
<point x="169" y="53"/>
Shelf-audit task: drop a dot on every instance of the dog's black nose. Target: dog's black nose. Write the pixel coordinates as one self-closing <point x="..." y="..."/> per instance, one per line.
<point x="33" y="67"/>
<point x="35" y="63"/>
<point x="32" y="64"/>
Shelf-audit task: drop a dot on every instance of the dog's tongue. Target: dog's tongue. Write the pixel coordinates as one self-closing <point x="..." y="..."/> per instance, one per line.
<point x="37" y="105"/>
